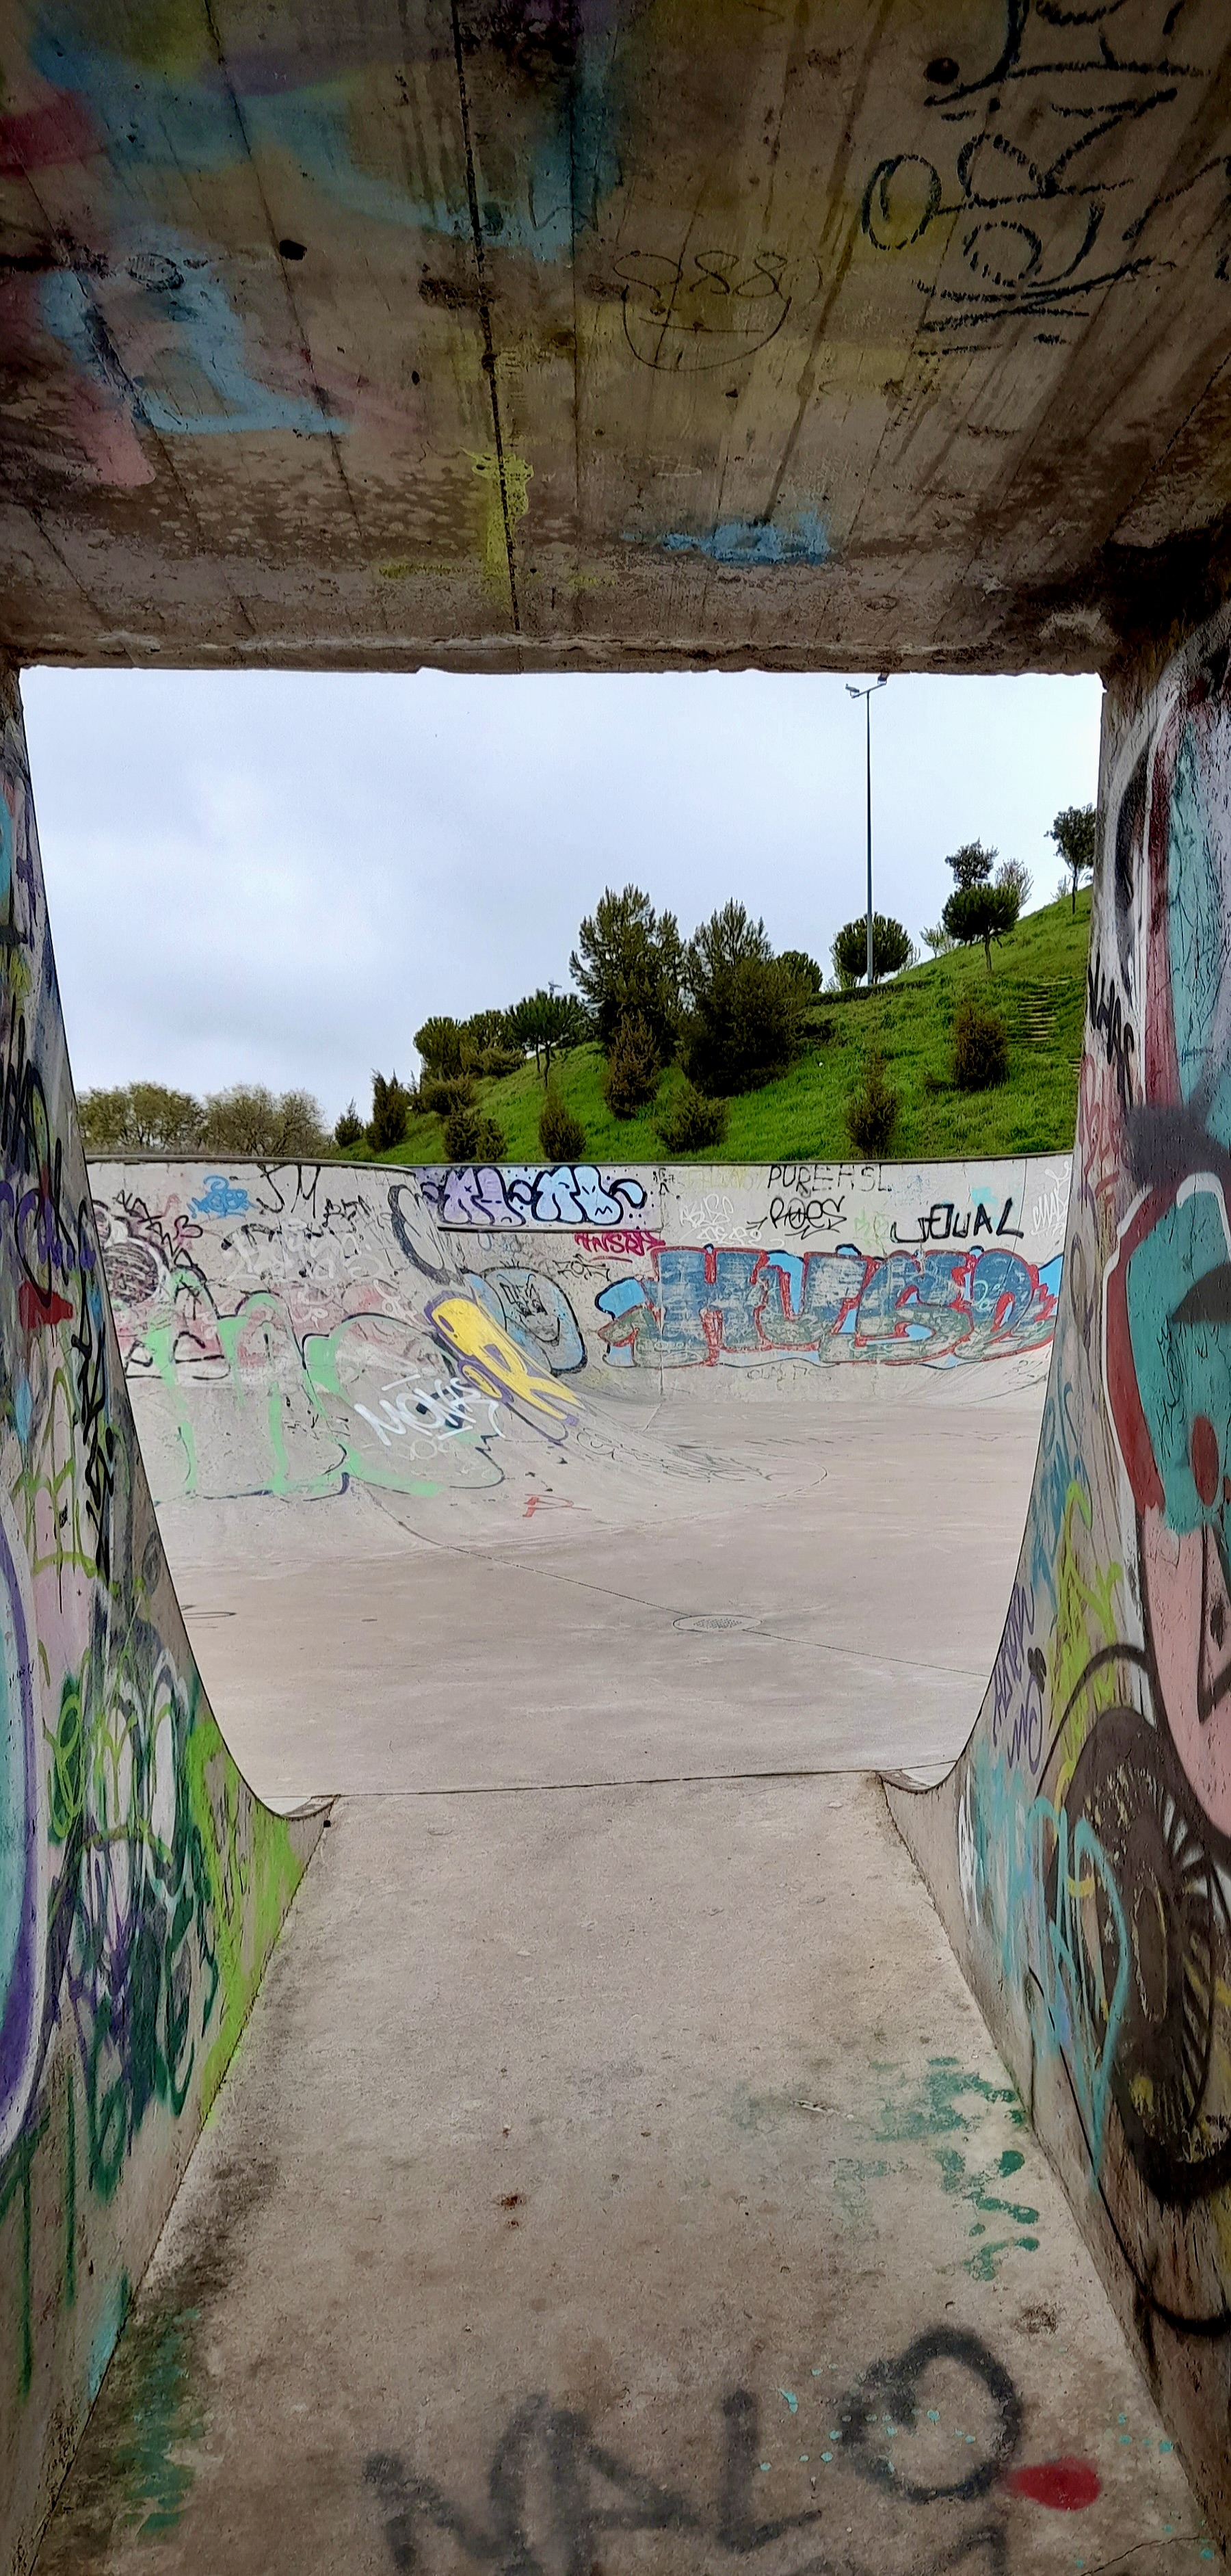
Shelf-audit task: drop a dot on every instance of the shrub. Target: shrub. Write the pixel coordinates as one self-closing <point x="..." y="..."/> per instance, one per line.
<point x="349" y="1130"/>
<point x="892" y="948"/>
<point x="980" y="1047"/>
<point x="392" y="1103"/>
<point x="561" y="1134"/>
<point x="633" y="1067"/>
<point x="693" y="1122"/>
<point x="471" y="1136"/>
<point x="440" y="1093"/>
<point x="872" y="1111"/>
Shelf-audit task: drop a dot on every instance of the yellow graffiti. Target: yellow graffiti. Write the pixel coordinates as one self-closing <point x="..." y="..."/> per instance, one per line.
<point x="489" y="1358"/>
<point x="1085" y="1621"/>
<point x="507" y="502"/>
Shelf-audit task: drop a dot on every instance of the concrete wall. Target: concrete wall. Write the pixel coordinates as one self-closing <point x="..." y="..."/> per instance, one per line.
<point x="307" y="1332"/>
<point x="615" y="333"/>
<point x="1080" y="1851"/>
<point x="141" y="1885"/>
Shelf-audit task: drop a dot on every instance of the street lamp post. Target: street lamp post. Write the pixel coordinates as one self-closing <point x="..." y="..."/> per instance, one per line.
<point x="867" y="695"/>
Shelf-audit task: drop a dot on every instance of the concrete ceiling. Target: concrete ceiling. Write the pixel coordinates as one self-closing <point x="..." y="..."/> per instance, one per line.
<point x="612" y="333"/>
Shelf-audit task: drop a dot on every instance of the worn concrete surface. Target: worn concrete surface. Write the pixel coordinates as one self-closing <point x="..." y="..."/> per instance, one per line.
<point x="833" y="1599"/>
<point x="618" y="334"/>
<point x="620" y="2180"/>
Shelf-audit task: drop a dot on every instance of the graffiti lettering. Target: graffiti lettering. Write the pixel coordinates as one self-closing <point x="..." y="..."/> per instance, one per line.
<point x="512" y="1194"/>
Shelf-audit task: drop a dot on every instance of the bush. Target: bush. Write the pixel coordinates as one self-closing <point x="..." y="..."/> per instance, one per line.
<point x="561" y="1134"/>
<point x="980" y="1047"/>
<point x="471" y="1136"/>
<point x="349" y="1130"/>
<point x="440" y="1093"/>
<point x="633" y="1067"/>
<point x="392" y="1103"/>
<point x="693" y="1122"/>
<point x="872" y="1111"/>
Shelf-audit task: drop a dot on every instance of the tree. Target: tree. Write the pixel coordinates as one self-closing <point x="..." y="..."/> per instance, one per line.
<point x="547" y="1024"/>
<point x="628" y="959"/>
<point x="971" y="865"/>
<point x="142" y="1117"/>
<point x="1014" y="872"/>
<point x="249" y="1119"/>
<point x="977" y="909"/>
<point x="748" y="1006"/>
<point x="805" y="967"/>
<point x="939" y="940"/>
<point x="392" y="1103"/>
<point x="1074" y="833"/>
<point x="439" y="1042"/>
<point x="349" y="1129"/>
<point x="980" y="912"/>
<point x="633" y="1067"/>
<point x="891" y="948"/>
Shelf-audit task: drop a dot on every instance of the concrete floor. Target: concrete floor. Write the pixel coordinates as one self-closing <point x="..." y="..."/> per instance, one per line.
<point x="620" y="2178"/>
<point x="832" y="1599"/>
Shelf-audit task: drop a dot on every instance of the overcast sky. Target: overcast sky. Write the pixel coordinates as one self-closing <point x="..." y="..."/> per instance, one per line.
<point x="273" y="877"/>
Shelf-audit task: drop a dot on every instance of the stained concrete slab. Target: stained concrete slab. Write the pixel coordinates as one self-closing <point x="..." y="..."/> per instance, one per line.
<point x="833" y="1600"/>
<point x="620" y="2180"/>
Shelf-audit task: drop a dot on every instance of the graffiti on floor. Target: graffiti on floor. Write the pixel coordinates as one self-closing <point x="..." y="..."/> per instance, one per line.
<point x="939" y="2424"/>
<point x="704" y="1305"/>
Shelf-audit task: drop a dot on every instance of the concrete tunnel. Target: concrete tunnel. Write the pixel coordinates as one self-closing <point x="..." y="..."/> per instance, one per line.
<point x="752" y="2147"/>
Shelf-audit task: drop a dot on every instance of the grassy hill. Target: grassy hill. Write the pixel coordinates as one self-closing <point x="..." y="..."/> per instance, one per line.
<point x="1038" y="981"/>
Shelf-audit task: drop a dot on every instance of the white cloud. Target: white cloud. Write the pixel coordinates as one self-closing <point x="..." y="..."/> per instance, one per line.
<point x="276" y="877"/>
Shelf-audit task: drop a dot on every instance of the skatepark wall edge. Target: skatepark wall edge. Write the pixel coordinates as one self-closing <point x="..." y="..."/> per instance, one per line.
<point x="1080" y="1850"/>
<point x="436" y="1343"/>
<point x="141" y="1883"/>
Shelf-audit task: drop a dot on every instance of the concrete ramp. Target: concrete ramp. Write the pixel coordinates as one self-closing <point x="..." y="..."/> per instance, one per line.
<point x="1079" y="1850"/>
<point x="141" y="1884"/>
<point x="494" y="1477"/>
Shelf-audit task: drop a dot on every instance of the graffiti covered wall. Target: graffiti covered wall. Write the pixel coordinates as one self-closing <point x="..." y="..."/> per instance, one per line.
<point x="141" y="1885"/>
<point x="1081" y="1849"/>
<point x="304" y="1331"/>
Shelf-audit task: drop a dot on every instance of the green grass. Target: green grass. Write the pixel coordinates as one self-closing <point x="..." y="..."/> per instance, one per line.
<point x="1038" y="982"/>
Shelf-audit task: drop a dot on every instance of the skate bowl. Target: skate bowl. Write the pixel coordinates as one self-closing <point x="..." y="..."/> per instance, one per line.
<point x="570" y="338"/>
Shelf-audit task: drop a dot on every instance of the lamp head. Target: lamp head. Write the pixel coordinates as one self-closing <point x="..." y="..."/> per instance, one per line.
<point x="852" y="691"/>
<point x="883" y="680"/>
